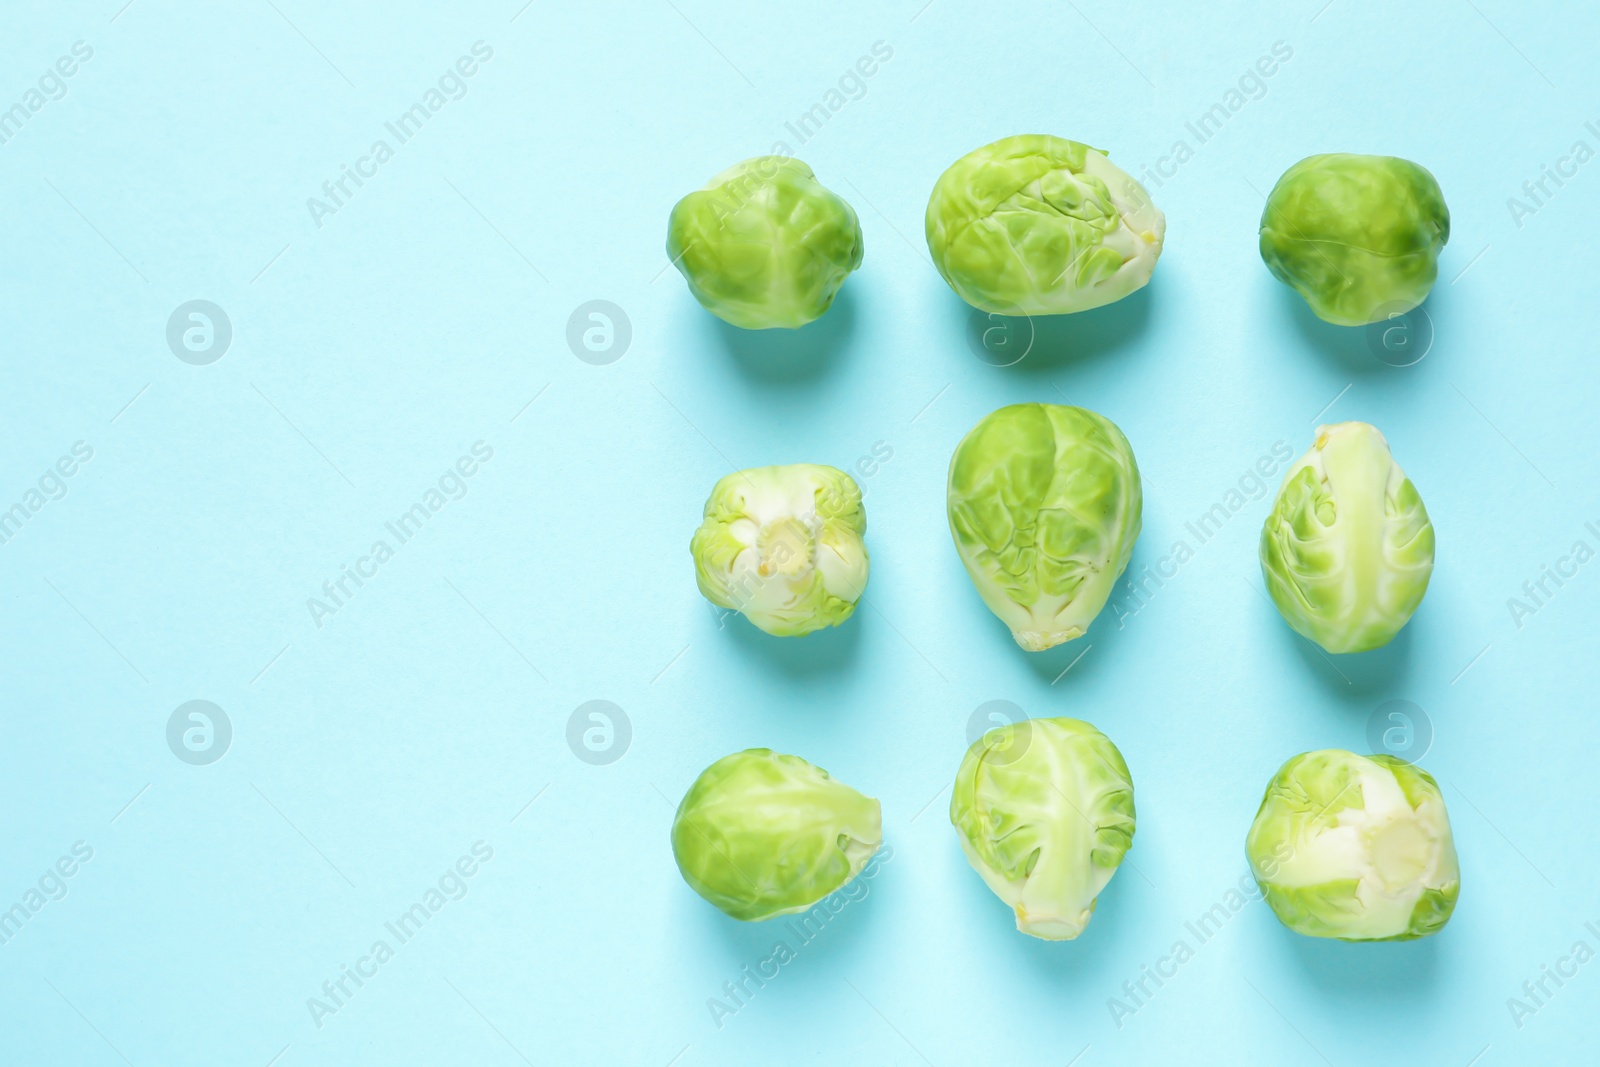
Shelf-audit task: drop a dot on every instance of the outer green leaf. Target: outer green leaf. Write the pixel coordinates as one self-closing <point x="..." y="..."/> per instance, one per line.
<point x="1348" y="548"/>
<point x="783" y="545"/>
<point x="1044" y="504"/>
<point x="760" y="834"/>
<point x="1355" y="847"/>
<point x="1358" y="236"/>
<point x="1039" y="225"/>
<point x="764" y="244"/>
<point x="1044" y="811"/>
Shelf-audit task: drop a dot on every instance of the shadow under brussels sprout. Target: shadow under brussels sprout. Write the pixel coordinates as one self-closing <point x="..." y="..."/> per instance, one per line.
<point x="1355" y="349"/>
<point x="819" y="952"/>
<point x="1088" y="965"/>
<point x="821" y="652"/>
<point x="1054" y="341"/>
<point x="1354" y="974"/>
<point x="1356" y="675"/>
<point x="781" y="355"/>
<point x="1070" y="661"/>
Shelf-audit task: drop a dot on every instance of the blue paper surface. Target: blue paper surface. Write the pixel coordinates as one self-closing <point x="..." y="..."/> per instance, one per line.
<point x="393" y="747"/>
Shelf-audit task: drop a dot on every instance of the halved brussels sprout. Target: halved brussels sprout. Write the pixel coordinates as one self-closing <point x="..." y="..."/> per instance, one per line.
<point x="784" y="546"/>
<point x="1358" y="236"/>
<point x="761" y="834"/>
<point x="1044" y="811"/>
<point x="1348" y="548"/>
<point x="1044" y="503"/>
<point x="764" y="244"/>
<point x="1039" y="225"/>
<point x="1355" y="847"/>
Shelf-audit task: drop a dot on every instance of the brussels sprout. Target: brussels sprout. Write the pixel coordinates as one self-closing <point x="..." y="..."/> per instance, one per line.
<point x="761" y="834"/>
<point x="764" y="244"/>
<point x="783" y="545"/>
<point x="1355" y="847"/>
<point x="1358" y="236"/>
<point x="1038" y="225"/>
<point x="1348" y="548"/>
<point x="1044" y="811"/>
<point x="1044" y="504"/>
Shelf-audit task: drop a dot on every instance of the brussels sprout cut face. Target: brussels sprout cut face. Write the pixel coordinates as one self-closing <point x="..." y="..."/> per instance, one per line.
<point x="784" y="546"/>
<point x="764" y="244"/>
<point x="1038" y="225"/>
<point x="1044" y="504"/>
<point x="1358" y="236"/>
<point x="1355" y="847"/>
<point x="1044" y="811"/>
<point x="1348" y="548"/>
<point x="761" y="834"/>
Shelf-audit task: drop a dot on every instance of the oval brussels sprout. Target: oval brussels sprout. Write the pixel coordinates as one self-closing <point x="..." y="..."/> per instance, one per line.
<point x="1039" y="225"/>
<point x="1355" y="847"/>
<point x="764" y="244"/>
<point x="761" y="834"/>
<point x="1044" y="811"/>
<point x="1348" y="548"/>
<point x="1358" y="236"/>
<point x="783" y="545"/>
<point x="1044" y="504"/>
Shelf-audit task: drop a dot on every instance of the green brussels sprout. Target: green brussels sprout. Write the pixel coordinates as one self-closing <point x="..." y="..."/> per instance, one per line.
<point x="1358" y="236"/>
<point x="1355" y="847"/>
<point x="764" y="244"/>
<point x="783" y="545"/>
<point x="1044" y="504"/>
<point x="760" y="834"/>
<point x="1044" y="811"/>
<point x="1039" y="225"/>
<point x="1348" y="549"/>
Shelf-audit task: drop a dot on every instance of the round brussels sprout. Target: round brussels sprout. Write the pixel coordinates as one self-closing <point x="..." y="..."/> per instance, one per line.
<point x="1044" y="811"/>
<point x="764" y="244"/>
<point x="1355" y="847"/>
<point x="761" y="834"/>
<point x="1044" y="504"/>
<point x="1358" y="236"/>
<point x="1348" y="549"/>
<point x="1039" y="225"/>
<point x="783" y="545"/>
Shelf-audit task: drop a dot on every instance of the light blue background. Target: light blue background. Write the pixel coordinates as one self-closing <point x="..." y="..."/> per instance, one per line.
<point x="425" y="715"/>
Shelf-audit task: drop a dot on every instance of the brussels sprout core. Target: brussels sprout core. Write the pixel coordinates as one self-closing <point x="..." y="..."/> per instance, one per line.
<point x="784" y="546"/>
<point x="1355" y="847"/>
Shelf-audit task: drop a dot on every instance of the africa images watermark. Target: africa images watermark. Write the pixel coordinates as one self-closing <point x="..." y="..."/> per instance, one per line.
<point x="803" y="928"/>
<point x="52" y="885"/>
<point x="52" y="85"/>
<point x="1251" y="85"/>
<point x="1538" y="992"/>
<point x="1536" y="192"/>
<point x="1552" y="578"/>
<point x="852" y="85"/>
<point x="1135" y="592"/>
<point x="337" y="992"/>
<point x="51" y="486"/>
<point x="337" y="191"/>
<point x="1137" y="992"/>
<point x="337" y="592"/>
